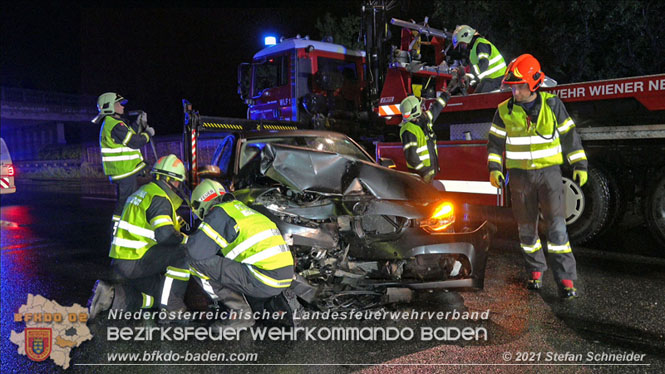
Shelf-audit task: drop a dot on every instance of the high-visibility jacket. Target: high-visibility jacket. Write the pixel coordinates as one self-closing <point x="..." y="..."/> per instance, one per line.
<point x="258" y="243"/>
<point x="497" y="65"/>
<point x="119" y="160"/>
<point x="534" y="141"/>
<point x="135" y="234"/>
<point x="419" y="142"/>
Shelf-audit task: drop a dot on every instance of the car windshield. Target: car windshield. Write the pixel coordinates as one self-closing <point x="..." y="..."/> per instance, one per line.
<point x="333" y="144"/>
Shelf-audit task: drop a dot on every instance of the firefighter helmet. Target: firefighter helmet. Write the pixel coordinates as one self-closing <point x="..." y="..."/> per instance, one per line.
<point x="463" y="34"/>
<point x="410" y="108"/>
<point x="524" y="69"/>
<point x="205" y="195"/>
<point x="169" y="166"/>
<point x="106" y="102"/>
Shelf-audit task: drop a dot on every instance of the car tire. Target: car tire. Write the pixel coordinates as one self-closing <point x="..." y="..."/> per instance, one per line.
<point x="654" y="207"/>
<point x="589" y="222"/>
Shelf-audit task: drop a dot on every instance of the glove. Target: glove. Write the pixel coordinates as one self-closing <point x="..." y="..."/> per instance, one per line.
<point x="497" y="178"/>
<point x="150" y="131"/>
<point x="142" y="118"/>
<point x="580" y="176"/>
<point x="183" y="224"/>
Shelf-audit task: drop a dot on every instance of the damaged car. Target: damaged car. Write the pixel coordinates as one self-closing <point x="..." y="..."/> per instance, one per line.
<point x="362" y="234"/>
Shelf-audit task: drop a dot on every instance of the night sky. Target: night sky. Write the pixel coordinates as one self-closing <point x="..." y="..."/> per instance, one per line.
<point x="153" y="56"/>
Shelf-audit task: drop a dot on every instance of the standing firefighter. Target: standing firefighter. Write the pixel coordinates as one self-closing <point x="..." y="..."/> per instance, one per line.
<point x="487" y="65"/>
<point x="536" y="133"/>
<point x="418" y="137"/>
<point x="147" y="248"/>
<point x="236" y="251"/>
<point x="120" y="146"/>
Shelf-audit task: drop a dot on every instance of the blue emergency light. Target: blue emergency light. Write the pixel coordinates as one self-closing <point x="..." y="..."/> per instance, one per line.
<point x="270" y="40"/>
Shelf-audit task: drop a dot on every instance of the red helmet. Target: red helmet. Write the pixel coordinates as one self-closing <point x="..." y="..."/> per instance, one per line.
<point x="524" y="69"/>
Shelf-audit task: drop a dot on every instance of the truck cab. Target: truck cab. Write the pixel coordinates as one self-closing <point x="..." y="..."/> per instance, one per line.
<point x="302" y="80"/>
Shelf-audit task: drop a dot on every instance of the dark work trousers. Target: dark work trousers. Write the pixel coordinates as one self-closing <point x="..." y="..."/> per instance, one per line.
<point x="488" y="85"/>
<point x="531" y="189"/>
<point x="158" y="278"/>
<point x="225" y="273"/>
<point x="124" y="188"/>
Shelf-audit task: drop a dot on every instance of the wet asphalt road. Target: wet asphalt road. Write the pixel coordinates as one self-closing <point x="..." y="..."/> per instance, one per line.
<point x="57" y="246"/>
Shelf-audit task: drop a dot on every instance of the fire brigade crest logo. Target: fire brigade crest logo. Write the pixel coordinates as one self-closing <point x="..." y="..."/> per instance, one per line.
<point x="38" y="343"/>
<point x="51" y="330"/>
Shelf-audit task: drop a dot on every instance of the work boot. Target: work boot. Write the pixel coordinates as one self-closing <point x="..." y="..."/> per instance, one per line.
<point x="102" y="298"/>
<point x="239" y="313"/>
<point x="569" y="293"/>
<point x="534" y="283"/>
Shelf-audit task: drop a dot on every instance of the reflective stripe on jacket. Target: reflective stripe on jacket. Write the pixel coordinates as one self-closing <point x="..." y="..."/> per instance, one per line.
<point x="497" y="65"/>
<point x="135" y="235"/>
<point x="420" y="151"/>
<point x="259" y="244"/>
<point x="119" y="160"/>
<point x="534" y="145"/>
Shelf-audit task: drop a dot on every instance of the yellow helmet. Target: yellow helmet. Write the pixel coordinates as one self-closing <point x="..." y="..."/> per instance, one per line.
<point x="205" y="195"/>
<point x="169" y="166"/>
<point x="463" y="34"/>
<point x="410" y="108"/>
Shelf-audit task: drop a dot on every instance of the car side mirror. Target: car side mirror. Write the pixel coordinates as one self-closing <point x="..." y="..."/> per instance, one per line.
<point x="387" y="162"/>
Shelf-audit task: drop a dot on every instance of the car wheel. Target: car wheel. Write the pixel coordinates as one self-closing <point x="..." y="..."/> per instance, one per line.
<point x="654" y="208"/>
<point x="588" y="208"/>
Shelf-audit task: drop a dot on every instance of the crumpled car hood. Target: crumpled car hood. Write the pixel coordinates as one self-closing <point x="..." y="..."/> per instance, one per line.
<point x="304" y="169"/>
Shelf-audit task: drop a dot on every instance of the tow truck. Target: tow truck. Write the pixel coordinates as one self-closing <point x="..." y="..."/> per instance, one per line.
<point x="322" y="85"/>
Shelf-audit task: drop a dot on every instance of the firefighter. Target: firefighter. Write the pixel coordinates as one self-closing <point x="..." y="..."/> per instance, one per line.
<point x="487" y="65"/>
<point x="120" y="146"/>
<point x="418" y="137"/>
<point x="236" y="251"/>
<point x="147" y="249"/>
<point x="537" y="134"/>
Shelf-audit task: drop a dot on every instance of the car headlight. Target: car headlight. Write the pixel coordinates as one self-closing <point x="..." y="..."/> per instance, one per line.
<point x="441" y="219"/>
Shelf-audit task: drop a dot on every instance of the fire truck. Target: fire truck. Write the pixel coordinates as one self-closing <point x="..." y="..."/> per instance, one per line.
<point x="322" y="85"/>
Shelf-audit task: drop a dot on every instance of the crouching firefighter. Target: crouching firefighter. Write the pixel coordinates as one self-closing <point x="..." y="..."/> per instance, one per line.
<point x="236" y="251"/>
<point x="148" y="249"/>
<point x="418" y="137"/>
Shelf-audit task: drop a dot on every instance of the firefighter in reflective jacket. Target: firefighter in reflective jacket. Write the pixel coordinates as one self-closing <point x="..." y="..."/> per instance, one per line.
<point x="236" y="251"/>
<point x="487" y="65"/>
<point x="418" y="137"/>
<point x="537" y="134"/>
<point x="120" y="147"/>
<point x="147" y="248"/>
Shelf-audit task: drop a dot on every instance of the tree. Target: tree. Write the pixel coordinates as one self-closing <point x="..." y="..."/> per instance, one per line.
<point x="344" y="30"/>
<point x="574" y="40"/>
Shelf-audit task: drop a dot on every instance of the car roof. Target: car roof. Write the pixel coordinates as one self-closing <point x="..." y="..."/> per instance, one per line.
<point x="310" y="133"/>
<point x="277" y="134"/>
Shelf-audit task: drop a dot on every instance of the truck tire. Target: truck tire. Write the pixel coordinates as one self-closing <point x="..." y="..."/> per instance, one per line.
<point x="591" y="212"/>
<point x="618" y="203"/>
<point x="654" y="208"/>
